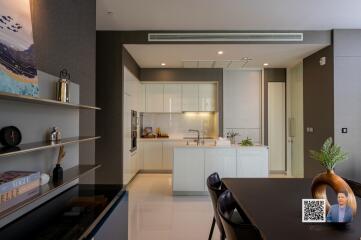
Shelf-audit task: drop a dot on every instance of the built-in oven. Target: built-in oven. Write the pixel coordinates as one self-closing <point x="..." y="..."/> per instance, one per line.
<point x="134" y="132"/>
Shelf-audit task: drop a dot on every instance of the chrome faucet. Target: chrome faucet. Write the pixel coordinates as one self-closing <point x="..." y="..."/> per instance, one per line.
<point x="198" y="135"/>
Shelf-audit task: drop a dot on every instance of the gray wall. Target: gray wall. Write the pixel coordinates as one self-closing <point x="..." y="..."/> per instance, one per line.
<point x="347" y="99"/>
<point x="64" y="36"/>
<point x="318" y="105"/>
<point x="188" y="74"/>
<point x="111" y="59"/>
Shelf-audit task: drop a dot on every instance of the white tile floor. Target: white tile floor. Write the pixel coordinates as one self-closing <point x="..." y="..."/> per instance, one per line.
<point x="155" y="214"/>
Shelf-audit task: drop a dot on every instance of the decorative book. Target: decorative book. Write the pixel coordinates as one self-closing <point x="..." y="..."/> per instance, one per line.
<point x="13" y="179"/>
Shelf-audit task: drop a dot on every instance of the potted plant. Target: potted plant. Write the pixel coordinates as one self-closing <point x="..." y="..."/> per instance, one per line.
<point x="329" y="155"/>
<point x="246" y="142"/>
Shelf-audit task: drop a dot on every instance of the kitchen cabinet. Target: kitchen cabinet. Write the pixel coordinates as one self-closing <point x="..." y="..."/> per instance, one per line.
<point x="154" y="94"/>
<point x="220" y="160"/>
<point x="188" y="169"/>
<point x="153" y="155"/>
<point x="207" y="97"/>
<point x="252" y="162"/>
<point x="172" y="98"/>
<point x="190" y="99"/>
<point x="167" y="160"/>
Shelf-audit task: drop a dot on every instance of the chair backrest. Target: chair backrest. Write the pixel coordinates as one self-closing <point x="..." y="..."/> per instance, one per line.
<point x="355" y="186"/>
<point x="234" y="231"/>
<point x="215" y="189"/>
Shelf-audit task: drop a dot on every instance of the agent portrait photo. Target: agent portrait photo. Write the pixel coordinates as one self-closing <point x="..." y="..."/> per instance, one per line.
<point x="340" y="212"/>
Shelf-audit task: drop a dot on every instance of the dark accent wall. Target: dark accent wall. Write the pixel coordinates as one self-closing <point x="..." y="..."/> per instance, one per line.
<point x="318" y="105"/>
<point x="270" y="75"/>
<point x="111" y="59"/>
<point x="191" y="75"/>
<point x="64" y="37"/>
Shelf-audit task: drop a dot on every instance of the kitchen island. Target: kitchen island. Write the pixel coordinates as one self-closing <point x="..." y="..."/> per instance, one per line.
<point x="192" y="165"/>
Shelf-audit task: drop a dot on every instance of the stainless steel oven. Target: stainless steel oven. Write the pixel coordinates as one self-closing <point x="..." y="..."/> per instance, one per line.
<point x="134" y="133"/>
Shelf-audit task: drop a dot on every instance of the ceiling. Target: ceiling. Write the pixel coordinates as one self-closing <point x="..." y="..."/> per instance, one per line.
<point x="227" y="14"/>
<point x="205" y="55"/>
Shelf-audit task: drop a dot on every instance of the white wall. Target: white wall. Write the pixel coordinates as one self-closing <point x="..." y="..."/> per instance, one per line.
<point x="242" y="103"/>
<point x="176" y="125"/>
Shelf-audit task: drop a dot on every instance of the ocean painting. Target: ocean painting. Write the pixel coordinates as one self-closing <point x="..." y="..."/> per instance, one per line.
<point x="18" y="73"/>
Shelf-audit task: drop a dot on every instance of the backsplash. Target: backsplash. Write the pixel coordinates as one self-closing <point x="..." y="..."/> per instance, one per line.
<point x="176" y="125"/>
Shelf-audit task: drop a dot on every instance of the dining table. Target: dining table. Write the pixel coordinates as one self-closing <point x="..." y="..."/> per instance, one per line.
<point x="274" y="206"/>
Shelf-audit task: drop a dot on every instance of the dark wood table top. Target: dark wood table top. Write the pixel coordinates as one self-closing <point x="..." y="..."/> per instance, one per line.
<point x="275" y="207"/>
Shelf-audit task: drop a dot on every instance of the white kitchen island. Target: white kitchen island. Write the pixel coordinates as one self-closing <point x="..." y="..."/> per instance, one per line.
<point x="193" y="164"/>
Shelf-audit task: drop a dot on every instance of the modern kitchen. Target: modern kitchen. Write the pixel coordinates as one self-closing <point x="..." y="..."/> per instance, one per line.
<point x="192" y="110"/>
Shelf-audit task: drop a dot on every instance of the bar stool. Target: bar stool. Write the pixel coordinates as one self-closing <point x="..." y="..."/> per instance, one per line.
<point x="233" y="230"/>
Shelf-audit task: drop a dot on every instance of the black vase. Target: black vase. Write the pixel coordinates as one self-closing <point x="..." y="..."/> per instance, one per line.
<point x="57" y="174"/>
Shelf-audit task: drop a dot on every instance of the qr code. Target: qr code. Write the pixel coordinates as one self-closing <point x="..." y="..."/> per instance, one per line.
<point x="313" y="210"/>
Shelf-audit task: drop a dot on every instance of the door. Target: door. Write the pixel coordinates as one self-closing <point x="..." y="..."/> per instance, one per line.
<point x="154" y="98"/>
<point x="207" y="97"/>
<point x="295" y="120"/>
<point x="190" y="97"/>
<point x="173" y="98"/>
<point x="277" y="126"/>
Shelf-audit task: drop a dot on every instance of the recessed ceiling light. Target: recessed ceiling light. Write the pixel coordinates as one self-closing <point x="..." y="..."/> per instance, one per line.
<point x="163" y="64"/>
<point x="246" y="59"/>
<point x="220" y="52"/>
<point x="265" y="64"/>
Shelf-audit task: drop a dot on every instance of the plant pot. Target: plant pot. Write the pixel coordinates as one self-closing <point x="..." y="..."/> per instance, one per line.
<point x="330" y="179"/>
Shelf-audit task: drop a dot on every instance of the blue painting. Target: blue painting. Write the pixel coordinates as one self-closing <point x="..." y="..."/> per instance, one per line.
<point x="18" y="73"/>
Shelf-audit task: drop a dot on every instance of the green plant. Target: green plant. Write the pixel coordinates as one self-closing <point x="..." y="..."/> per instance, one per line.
<point x="329" y="154"/>
<point x="246" y="142"/>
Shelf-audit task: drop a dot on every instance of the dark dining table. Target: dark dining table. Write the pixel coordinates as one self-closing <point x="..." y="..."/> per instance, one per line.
<point x="274" y="206"/>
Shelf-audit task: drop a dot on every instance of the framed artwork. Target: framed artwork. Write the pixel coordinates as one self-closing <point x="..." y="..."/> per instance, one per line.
<point x="18" y="73"/>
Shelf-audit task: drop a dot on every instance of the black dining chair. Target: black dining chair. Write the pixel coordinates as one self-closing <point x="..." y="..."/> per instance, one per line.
<point x="355" y="186"/>
<point x="226" y="208"/>
<point x="215" y="189"/>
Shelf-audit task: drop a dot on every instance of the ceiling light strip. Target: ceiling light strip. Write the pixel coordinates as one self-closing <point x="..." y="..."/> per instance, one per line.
<point x="225" y="37"/>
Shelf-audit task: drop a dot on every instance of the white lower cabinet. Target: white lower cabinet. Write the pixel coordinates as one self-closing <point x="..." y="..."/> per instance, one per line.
<point x="188" y="169"/>
<point x="153" y="154"/>
<point x="167" y="160"/>
<point x="192" y="165"/>
<point x="222" y="161"/>
<point x="252" y="162"/>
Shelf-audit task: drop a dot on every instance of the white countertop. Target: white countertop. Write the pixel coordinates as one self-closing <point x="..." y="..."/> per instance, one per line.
<point x="225" y="146"/>
<point x="170" y="139"/>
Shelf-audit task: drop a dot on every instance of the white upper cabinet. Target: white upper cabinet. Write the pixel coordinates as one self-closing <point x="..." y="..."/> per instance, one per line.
<point x="190" y="97"/>
<point x="154" y="97"/>
<point x="207" y="97"/>
<point x="172" y="98"/>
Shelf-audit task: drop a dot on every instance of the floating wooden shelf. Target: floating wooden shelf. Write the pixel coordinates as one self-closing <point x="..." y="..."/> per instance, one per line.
<point x="31" y="147"/>
<point x="36" y="100"/>
<point x="45" y="194"/>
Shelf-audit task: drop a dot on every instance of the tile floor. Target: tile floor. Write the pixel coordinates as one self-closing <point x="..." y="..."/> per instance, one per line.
<point x="155" y="214"/>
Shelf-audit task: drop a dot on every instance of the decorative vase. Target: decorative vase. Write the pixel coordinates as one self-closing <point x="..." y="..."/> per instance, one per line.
<point x="330" y="179"/>
<point x="57" y="174"/>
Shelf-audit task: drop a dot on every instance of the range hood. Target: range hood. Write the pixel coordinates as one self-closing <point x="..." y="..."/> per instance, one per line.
<point x="226" y="37"/>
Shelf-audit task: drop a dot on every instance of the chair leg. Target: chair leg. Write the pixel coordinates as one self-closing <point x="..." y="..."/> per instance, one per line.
<point x="212" y="228"/>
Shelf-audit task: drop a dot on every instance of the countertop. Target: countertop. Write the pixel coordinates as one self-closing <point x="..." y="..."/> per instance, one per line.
<point x="171" y="139"/>
<point x="73" y="214"/>
<point x="235" y="146"/>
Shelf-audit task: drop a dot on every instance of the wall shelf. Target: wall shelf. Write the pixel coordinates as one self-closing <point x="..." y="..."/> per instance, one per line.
<point x="37" y="146"/>
<point x="46" y="192"/>
<point x="43" y="101"/>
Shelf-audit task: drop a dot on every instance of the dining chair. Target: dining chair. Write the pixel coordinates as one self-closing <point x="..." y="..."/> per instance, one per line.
<point x="226" y="208"/>
<point x="215" y="189"/>
<point x="355" y="186"/>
